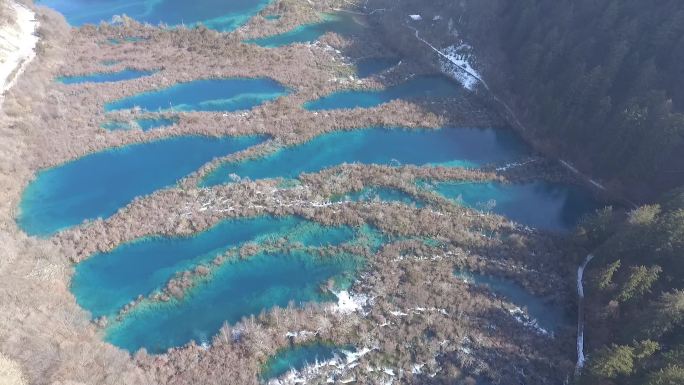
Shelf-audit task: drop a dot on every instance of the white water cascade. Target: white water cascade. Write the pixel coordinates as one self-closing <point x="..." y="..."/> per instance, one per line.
<point x="580" y="314"/>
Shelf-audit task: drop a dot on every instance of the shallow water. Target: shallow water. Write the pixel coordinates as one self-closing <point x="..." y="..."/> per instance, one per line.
<point x="236" y="290"/>
<point x="220" y="15"/>
<point x="130" y="39"/>
<point x="148" y="124"/>
<point x="103" y="77"/>
<point x="298" y="357"/>
<point x="548" y="316"/>
<point x="106" y="282"/>
<point x="99" y="184"/>
<point x="447" y="146"/>
<point x="374" y="65"/>
<point x="143" y="124"/>
<point x="418" y="87"/>
<point x="380" y="194"/>
<point x="341" y="23"/>
<point x="539" y="204"/>
<point x="231" y="94"/>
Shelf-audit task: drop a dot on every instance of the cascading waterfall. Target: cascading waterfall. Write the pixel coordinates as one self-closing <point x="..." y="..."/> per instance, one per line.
<point x="580" y="314"/>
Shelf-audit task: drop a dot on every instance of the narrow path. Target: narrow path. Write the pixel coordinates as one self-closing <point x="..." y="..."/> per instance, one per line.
<point x="580" y="314"/>
<point x="509" y="111"/>
<point x="17" y="45"/>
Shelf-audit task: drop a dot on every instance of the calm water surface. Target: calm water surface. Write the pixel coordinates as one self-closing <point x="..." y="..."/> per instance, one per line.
<point x="143" y="124"/>
<point x="220" y="15"/>
<point x="543" y="205"/>
<point x="231" y="94"/>
<point x="236" y="290"/>
<point x="99" y="184"/>
<point x="418" y="87"/>
<point x="446" y="146"/>
<point x="341" y="23"/>
<point x="298" y="357"/>
<point x="548" y="316"/>
<point x="105" y="282"/>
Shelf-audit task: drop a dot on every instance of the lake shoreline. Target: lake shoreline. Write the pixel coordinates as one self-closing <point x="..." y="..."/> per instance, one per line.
<point x="395" y="278"/>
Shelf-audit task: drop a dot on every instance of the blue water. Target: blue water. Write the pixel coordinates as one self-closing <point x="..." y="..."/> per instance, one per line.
<point x="298" y="357"/>
<point x="543" y="205"/>
<point x="548" y="316"/>
<point x="236" y="290"/>
<point x="132" y="39"/>
<point x="341" y="23"/>
<point x="148" y="124"/>
<point x="106" y="282"/>
<point x="205" y="95"/>
<point x="374" y="65"/>
<point x="103" y="77"/>
<point x="418" y="87"/>
<point x="115" y="125"/>
<point x="220" y="15"/>
<point x="99" y="184"/>
<point x="143" y="124"/>
<point x="447" y="146"/>
<point x="383" y="194"/>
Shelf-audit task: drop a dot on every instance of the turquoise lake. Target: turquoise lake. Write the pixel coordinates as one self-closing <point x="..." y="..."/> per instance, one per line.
<point x="144" y="124"/>
<point x="298" y="357"/>
<point x="99" y="184"/>
<point x="446" y="146"/>
<point x="103" y="77"/>
<point x="105" y="282"/>
<point x="236" y="290"/>
<point x="375" y="65"/>
<point x="544" y="205"/>
<point x="382" y="194"/>
<point x="220" y="15"/>
<point x="231" y="94"/>
<point x="341" y="23"/>
<point x="548" y="316"/>
<point x="418" y="87"/>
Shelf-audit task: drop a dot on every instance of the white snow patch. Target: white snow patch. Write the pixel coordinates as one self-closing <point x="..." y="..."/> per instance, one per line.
<point x="456" y="62"/>
<point x="524" y="319"/>
<point x="580" y="322"/>
<point x="416" y="17"/>
<point x="349" y="303"/>
<point x="17" y="45"/>
<point x="335" y="367"/>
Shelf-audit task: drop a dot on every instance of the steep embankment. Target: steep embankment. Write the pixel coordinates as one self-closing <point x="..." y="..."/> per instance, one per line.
<point x="17" y="42"/>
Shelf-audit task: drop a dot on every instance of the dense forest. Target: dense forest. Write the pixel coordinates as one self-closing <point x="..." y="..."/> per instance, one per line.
<point x="636" y="294"/>
<point x="600" y="83"/>
<point x="599" y="80"/>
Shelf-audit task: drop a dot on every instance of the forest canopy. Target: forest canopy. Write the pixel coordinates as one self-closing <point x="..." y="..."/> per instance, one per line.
<point x="601" y="80"/>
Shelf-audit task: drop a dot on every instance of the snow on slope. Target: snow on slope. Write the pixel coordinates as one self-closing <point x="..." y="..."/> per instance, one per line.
<point x="17" y="44"/>
<point x="455" y="62"/>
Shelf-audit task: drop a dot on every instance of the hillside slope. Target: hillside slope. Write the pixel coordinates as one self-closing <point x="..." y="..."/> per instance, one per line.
<point x="596" y="82"/>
